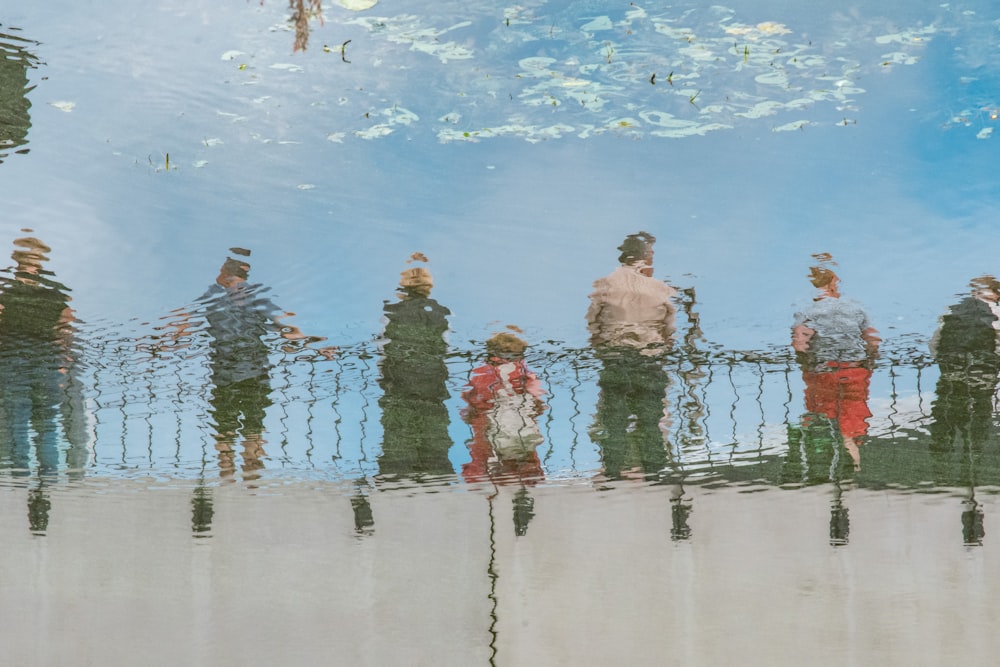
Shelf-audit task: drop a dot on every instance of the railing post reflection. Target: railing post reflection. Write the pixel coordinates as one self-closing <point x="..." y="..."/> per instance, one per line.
<point x="202" y="510"/>
<point x="364" y="518"/>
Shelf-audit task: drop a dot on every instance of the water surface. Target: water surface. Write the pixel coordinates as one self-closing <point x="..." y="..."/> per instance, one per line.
<point x="249" y="333"/>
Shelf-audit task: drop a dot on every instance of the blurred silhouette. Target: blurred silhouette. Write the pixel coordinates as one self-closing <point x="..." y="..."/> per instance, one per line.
<point x="244" y="328"/>
<point x="238" y="318"/>
<point x="973" y="530"/>
<point x="836" y="346"/>
<point x="41" y="400"/>
<point x="302" y="11"/>
<point x="15" y="120"/>
<point x="202" y="511"/>
<point x="503" y="403"/>
<point x="631" y="320"/>
<point x="840" y="520"/>
<point x="965" y="349"/>
<point x="364" y="518"/>
<point x="414" y="379"/>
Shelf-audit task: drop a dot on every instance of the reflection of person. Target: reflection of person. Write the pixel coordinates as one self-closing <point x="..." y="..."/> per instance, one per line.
<point x="38" y="366"/>
<point x="414" y="380"/>
<point x="965" y="348"/>
<point x="237" y="317"/>
<point x="301" y="12"/>
<point x="15" y="120"/>
<point x="242" y="324"/>
<point x="503" y="404"/>
<point x="836" y="345"/>
<point x="631" y="320"/>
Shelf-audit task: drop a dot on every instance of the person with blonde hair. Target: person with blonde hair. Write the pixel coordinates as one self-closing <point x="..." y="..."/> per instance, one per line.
<point x="836" y="346"/>
<point x="41" y="400"/>
<point x="414" y="377"/>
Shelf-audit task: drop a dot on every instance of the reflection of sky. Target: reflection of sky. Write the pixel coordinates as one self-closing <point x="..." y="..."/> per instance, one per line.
<point x="268" y="158"/>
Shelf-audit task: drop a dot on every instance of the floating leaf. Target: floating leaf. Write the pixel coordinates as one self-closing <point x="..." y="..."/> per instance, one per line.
<point x="356" y="5"/>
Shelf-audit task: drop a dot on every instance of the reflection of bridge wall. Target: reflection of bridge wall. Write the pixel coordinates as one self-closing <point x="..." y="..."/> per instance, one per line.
<point x="728" y="416"/>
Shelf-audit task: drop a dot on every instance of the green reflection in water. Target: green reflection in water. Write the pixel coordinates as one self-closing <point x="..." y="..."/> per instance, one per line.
<point x="41" y="399"/>
<point x="40" y="396"/>
<point x="202" y="511"/>
<point x="414" y="382"/>
<point x="15" y="61"/>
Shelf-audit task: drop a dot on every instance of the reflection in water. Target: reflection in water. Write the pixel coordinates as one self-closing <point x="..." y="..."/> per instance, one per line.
<point x="15" y="61"/>
<point x="302" y="11"/>
<point x="38" y="509"/>
<point x="836" y="346"/>
<point x="364" y="519"/>
<point x="965" y="349"/>
<point x="840" y="521"/>
<point x="634" y="332"/>
<point x="40" y="396"/>
<point x="241" y="324"/>
<point x="680" y="513"/>
<point x="202" y="511"/>
<point x="237" y="318"/>
<point x="503" y="403"/>
<point x="414" y="381"/>
<point x="631" y="320"/>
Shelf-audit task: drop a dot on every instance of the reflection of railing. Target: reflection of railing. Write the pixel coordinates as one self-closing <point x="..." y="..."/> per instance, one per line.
<point x="715" y="417"/>
<point x="727" y="415"/>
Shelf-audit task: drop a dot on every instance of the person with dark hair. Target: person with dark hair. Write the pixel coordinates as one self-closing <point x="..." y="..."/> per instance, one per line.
<point x="40" y="391"/>
<point x="415" y="421"/>
<point x="244" y="327"/>
<point x="965" y="348"/>
<point x="632" y="322"/>
<point x="238" y="317"/>
<point x="836" y="347"/>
